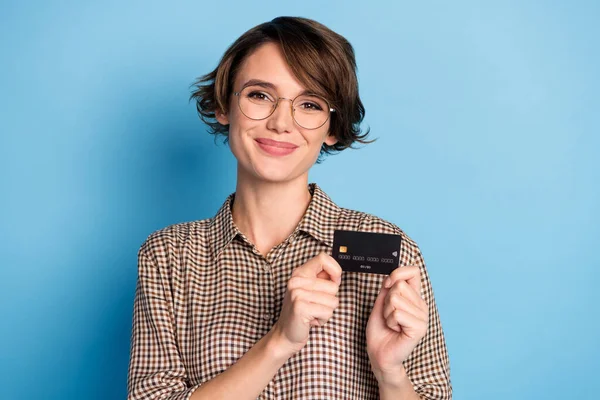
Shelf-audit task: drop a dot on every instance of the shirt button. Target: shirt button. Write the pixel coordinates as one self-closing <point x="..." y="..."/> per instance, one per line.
<point x="266" y="316"/>
<point x="266" y="266"/>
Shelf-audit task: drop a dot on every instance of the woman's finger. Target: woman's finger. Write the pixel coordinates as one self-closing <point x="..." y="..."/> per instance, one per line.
<point x="311" y="311"/>
<point x="411" y="274"/>
<point x="402" y="319"/>
<point x="313" y="284"/>
<point x="407" y="291"/>
<point x="395" y="301"/>
<point x="315" y="297"/>
<point x="320" y="262"/>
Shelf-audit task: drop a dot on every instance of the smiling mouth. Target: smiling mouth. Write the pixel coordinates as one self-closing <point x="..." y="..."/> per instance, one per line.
<point x="275" y="143"/>
<point x="275" y="148"/>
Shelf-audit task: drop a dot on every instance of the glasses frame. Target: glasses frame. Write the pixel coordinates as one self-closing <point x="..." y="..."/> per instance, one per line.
<point x="331" y="110"/>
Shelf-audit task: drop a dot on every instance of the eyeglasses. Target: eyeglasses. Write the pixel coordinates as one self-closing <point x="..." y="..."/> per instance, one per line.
<point x="309" y="111"/>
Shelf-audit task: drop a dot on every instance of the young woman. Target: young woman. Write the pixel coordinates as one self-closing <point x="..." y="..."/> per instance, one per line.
<point x="250" y="304"/>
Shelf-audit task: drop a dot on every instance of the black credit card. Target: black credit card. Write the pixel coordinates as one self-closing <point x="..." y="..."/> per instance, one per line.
<point x="376" y="253"/>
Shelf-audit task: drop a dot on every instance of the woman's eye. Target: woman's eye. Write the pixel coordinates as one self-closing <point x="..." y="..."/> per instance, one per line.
<point x="311" y="106"/>
<point x="258" y="96"/>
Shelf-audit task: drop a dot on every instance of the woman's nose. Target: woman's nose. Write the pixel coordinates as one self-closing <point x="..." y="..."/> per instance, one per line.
<point x="283" y="115"/>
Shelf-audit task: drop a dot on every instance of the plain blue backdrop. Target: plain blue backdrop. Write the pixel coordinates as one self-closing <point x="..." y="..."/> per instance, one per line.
<point x="487" y="119"/>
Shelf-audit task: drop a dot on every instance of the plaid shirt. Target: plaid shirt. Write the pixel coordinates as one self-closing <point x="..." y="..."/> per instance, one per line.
<point x="205" y="295"/>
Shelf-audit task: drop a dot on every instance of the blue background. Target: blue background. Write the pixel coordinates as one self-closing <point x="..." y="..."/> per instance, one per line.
<point x="487" y="114"/>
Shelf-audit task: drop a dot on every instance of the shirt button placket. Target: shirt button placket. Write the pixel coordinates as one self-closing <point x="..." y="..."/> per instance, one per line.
<point x="268" y="304"/>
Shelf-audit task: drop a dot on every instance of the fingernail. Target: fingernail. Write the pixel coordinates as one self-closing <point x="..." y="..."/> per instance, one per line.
<point x="387" y="283"/>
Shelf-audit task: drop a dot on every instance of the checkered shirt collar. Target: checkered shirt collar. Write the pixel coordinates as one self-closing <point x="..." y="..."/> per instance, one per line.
<point x="319" y="220"/>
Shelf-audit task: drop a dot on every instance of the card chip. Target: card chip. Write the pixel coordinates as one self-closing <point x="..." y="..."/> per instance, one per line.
<point x="343" y="249"/>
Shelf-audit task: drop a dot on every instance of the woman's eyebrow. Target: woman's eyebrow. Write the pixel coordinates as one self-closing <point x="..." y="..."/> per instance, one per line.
<point x="269" y="85"/>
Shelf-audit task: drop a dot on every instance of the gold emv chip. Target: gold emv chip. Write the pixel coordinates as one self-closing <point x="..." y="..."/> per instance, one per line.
<point x="343" y="249"/>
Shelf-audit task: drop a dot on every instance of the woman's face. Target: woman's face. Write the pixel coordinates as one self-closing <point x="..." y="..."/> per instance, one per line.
<point x="248" y="138"/>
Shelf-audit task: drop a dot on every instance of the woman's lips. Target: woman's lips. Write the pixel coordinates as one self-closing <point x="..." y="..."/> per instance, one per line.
<point x="276" y="148"/>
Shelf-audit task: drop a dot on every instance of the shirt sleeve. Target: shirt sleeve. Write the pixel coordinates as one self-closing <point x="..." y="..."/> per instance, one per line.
<point x="156" y="370"/>
<point x="428" y="366"/>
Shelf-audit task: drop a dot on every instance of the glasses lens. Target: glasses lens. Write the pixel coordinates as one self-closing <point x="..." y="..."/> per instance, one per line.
<point x="256" y="102"/>
<point x="311" y="112"/>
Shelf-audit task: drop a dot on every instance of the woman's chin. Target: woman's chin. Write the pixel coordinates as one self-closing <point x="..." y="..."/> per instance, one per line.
<point x="272" y="174"/>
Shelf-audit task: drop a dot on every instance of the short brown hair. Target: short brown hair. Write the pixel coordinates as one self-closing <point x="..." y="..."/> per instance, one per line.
<point x="319" y="58"/>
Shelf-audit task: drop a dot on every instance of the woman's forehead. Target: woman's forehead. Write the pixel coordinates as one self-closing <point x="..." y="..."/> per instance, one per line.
<point x="266" y="65"/>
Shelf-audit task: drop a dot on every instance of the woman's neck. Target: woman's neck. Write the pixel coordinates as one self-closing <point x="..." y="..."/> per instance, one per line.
<point x="268" y="212"/>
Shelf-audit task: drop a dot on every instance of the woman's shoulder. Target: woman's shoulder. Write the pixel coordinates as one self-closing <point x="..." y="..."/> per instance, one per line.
<point x="174" y="236"/>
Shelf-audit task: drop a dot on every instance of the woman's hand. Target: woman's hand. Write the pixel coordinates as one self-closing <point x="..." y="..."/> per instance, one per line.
<point x="309" y="300"/>
<point x="397" y="323"/>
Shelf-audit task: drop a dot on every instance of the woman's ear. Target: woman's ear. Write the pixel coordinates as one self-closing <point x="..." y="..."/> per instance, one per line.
<point x="330" y="140"/>
<point x="221" y="118"/>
